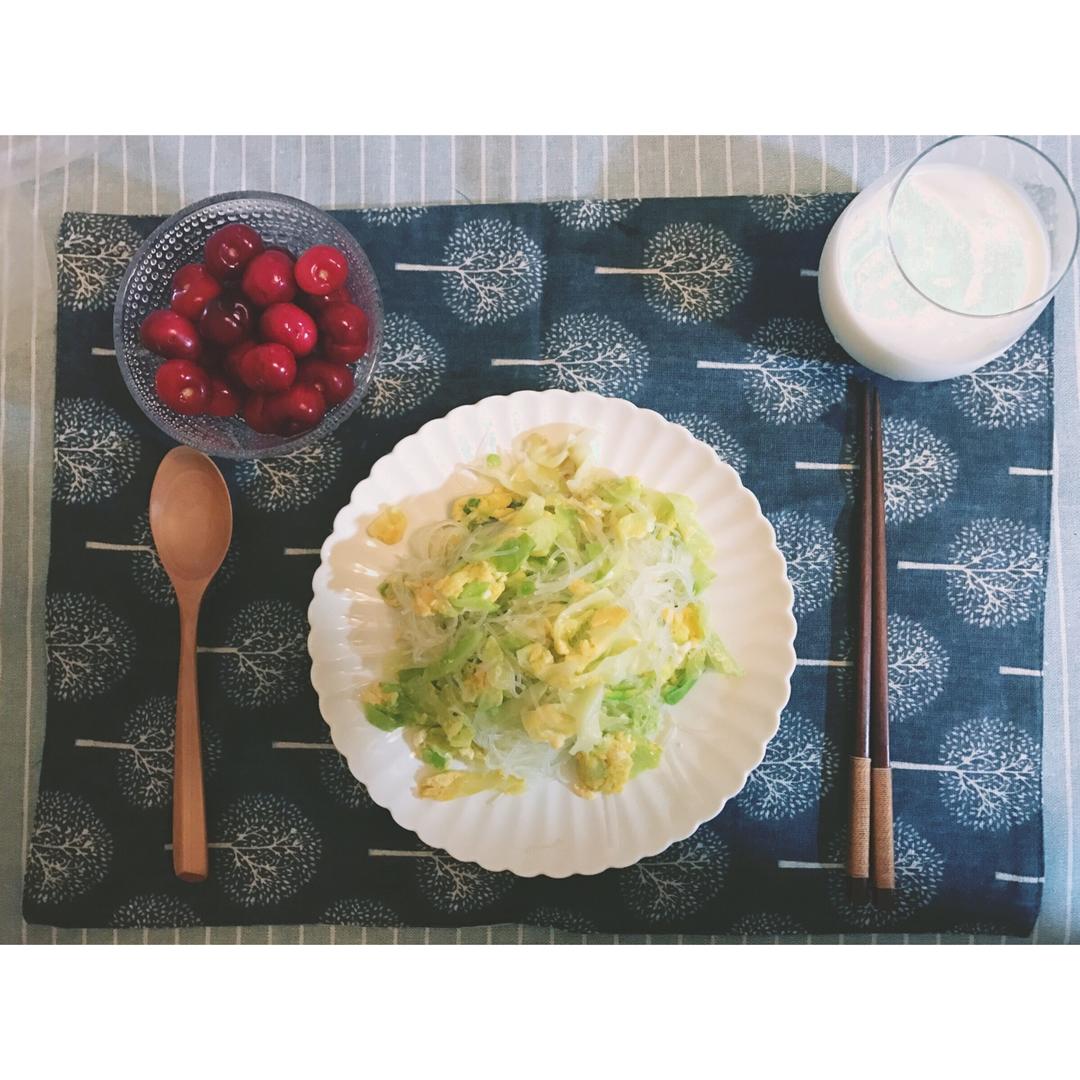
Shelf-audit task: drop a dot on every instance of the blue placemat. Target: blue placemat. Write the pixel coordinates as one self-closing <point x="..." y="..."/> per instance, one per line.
<point x="720" y="329"/>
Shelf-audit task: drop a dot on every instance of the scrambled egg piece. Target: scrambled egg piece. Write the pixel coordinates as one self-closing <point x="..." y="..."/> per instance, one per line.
<point x="534" y="659"/>
<point x="450" y="586"/>
<point x="684" y="624"/>
<point x="601" y="629"/>
<point x="455" y="784"/>
<point x="583" y="653"/>
<point x="548" y="723"/>
<point x="375" y="694"/>
<point x="606" y="621"/>
<point x="495" y="504"/>
<point x="388" y="526"/>
<point x="600" y="626"/>
<point x="606" y="768"/>
<point x="561" y="638"/>
<point x="474" y="684"/>
<point x="426" y="601"/>
<point x="433" y="597"/>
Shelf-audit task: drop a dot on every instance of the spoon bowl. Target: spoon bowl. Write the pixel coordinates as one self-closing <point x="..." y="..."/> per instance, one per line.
<point x="190" y="517"/>
<point x="191" y="522"/>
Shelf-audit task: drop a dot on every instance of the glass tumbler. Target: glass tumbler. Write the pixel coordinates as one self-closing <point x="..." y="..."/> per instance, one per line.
<point x="943" y="263"/>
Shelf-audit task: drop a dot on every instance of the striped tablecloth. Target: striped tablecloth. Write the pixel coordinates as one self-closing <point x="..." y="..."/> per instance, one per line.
<point x="40" y="178"/>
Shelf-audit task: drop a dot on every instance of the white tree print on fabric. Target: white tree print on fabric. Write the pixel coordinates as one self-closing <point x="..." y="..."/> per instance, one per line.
<point x="679" y="881"/>
<point x="392" y="215"/>
<point x="360" y="911"/>
<point x="456" y="887"/>
<point x="88" y="648"/>
<point x="152" y="910"/>
<point x="766" y="924"/>
<point x="793" y="371"/>
<point x="289" y="481"/>
<point x="589" y="352"/>
<point x="146" y="568"/>
<point x="707" y="430"/>
<point x="70" y="849"/>
<point x="919" y="866"/>
<point x="793" y="213"/>
<point x="493" y="270"/>
<point x="571" y="922"/>
<point x="265" y="659"/>
<point x="92" y="253"/>
<point x="816" y="559"/>
<point x="989" y="774"/>
<point x="693" y="273"/>
<point x="95" y="451"/>
<point x="589" y="215"/>
<point x="451" y="886"/>
<point x="1011" y="391"/>
<point x="918" y="668"/>
<point x="919" y="469"/>
<point x="409" y="369"/>
<point x="799" y="766"/>
<point x="268" y="850"/>
<point x="994" y="576"/>
<point x="340" y="783"/>
<point x="144" y="763"/>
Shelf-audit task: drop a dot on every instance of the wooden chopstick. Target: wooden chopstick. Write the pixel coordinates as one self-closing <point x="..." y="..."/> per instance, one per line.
<point x="858" y="859"/>
<point x="882" y="869"/>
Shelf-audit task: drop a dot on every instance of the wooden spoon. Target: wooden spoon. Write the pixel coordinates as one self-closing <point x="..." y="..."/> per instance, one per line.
<point x="191" y="521"/>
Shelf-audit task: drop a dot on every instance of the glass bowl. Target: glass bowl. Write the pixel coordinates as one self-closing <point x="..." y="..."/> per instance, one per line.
<point x="147" y="284"/>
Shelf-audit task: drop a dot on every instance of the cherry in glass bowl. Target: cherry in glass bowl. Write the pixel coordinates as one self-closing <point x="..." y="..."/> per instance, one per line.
<point x="147" y="285"/>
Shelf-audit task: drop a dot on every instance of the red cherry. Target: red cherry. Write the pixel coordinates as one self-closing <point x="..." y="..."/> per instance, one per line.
<point x="255" y="415"/>
<point x="233" y="362"/>
<point x="268" y="368"/>
<point x="268" y="278"/>
<point x="288" y="325"/>
<point x="321" y="269"/>
<point x="183" y="386"/>
<point x="226" y="320"/>
<point x="344" y="324"/>
<point x="343" y="354"/>
<point x="314" y="304"/>
<point x="225" y="400"/>
<point x="297" y="409"/>
<point x="212" y="358"/>
<point x="230" y="249"/>
<point x="193" y="288"/>
<point x="170" y="335"/>
<point x="334" y="381"/>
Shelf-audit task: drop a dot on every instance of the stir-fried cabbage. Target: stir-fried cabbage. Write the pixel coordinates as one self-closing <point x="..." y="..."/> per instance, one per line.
<point x="545" y="625"/>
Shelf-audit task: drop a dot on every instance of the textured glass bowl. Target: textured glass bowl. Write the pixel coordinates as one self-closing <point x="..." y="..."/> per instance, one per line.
<point x="147" y="284"/>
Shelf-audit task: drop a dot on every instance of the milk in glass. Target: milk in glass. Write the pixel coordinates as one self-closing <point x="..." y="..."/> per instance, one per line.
<point x="967" y="272"/>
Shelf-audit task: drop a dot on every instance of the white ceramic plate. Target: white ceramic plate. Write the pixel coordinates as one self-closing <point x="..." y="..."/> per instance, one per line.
<point x="720" y="729"/>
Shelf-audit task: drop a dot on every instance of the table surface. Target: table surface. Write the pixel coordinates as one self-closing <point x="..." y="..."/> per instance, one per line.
<point x="40" y="178"/>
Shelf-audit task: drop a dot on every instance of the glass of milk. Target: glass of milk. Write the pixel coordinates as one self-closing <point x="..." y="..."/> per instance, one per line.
<point x="945" y="261"/>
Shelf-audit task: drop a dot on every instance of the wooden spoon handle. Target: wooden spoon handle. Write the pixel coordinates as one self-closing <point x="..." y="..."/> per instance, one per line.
<point x="190" y="859"/>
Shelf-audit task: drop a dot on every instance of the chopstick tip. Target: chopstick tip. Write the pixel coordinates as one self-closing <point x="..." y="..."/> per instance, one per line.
<point x="859" y="890"/>
<point x="885" y="899"/>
